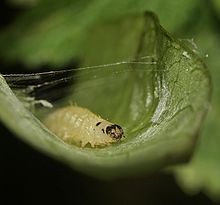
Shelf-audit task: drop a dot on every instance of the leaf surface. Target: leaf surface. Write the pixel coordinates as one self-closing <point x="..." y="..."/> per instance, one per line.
<point x="161" y="105"/>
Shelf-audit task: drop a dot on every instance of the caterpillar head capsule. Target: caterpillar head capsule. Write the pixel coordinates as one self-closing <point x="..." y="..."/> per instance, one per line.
<point x="115" y="131"/>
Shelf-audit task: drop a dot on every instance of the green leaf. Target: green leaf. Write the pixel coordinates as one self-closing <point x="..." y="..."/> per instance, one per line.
<point x="52" y="31"/>
<point x="216" y="6"/>
<point x="202" y="173"/>
<point x="161" y="106"/>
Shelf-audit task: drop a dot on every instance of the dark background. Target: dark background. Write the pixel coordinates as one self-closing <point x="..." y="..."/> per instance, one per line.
<point x="29" y="177"/>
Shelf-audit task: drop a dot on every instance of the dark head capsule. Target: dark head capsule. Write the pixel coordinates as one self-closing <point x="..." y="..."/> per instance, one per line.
<point x="115" y="131"/>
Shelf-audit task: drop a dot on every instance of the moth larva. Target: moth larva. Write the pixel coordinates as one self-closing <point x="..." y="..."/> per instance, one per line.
<point x="79" y="126"/>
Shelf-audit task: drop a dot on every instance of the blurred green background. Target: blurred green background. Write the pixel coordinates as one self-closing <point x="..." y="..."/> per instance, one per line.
<point x="37" y="35"/>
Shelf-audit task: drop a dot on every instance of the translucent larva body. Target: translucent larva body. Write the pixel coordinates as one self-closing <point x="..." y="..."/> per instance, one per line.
<point x="79" y="126"/>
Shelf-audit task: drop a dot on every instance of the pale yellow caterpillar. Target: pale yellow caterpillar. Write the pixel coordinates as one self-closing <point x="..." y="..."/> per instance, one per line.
<point x="81" y="127"/>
